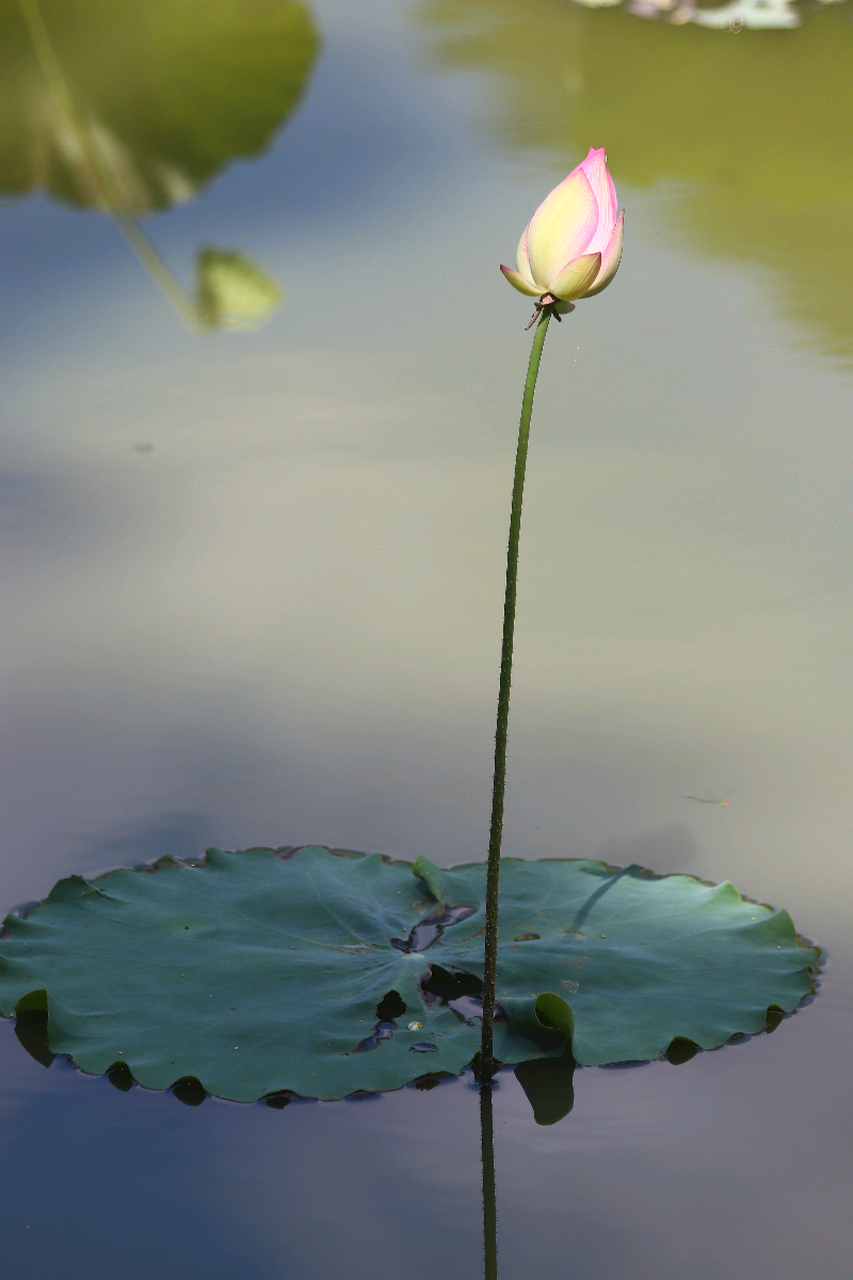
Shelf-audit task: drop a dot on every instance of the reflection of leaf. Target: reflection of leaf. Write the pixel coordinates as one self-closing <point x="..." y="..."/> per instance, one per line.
<point x="133" y="103"/>
<point x="232" y="291"/>
<point x="548" y="1084"/>
<point x="759" y="124"/>
<point x="260" y="972"/>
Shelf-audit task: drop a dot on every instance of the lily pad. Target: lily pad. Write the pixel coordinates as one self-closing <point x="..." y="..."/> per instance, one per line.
<point x="326" y="972"/>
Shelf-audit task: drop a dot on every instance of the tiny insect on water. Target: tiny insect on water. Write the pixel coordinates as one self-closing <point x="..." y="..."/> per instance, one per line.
<point x="724" y="804"/>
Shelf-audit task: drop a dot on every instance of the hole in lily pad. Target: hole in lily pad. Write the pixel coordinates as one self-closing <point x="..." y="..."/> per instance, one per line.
<point x="449" y="984"/>
<point x="429" y="930"/>
<point x="390" y="1007"/>
<point x="456" y="990"/>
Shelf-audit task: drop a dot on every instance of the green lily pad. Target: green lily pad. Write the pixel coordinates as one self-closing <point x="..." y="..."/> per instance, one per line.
<point x="327" y="972"/>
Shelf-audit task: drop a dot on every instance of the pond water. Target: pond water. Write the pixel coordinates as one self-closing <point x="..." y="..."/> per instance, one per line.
<point x="253" y="584"/>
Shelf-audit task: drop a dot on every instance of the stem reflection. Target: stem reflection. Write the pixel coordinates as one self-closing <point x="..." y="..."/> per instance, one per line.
<point x="490" y="1210"/>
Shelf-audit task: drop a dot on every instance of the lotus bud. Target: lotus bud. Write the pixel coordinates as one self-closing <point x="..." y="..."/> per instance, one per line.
<point x="572" y="246"/>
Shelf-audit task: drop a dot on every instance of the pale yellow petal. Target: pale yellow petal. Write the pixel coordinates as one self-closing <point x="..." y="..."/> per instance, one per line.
<point x="522" y="257"/>
<point x="561" y="228"/>
<point x="518" y="281"/>
<point x="576" y="277"/>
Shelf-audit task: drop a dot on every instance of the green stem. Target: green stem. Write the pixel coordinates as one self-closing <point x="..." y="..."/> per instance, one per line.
<point x="181" y="302"/>
<point x="499" y="781"/>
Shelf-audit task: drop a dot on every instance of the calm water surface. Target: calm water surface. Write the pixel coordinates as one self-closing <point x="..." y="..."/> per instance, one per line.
<point x="253" y="582"/>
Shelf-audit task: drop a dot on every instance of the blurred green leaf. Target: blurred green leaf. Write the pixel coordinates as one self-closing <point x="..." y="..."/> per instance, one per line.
<point x="232" y="291"/>
<point x="133" y="104"/>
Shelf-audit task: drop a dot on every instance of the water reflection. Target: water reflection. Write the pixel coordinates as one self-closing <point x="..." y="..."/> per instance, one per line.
<point x="547" y="1084"/>
<point x="131" y="106"/>
<point x="490" y="1206"/>
<point x="635" y="1183"/>
<point x="755" y="130"/>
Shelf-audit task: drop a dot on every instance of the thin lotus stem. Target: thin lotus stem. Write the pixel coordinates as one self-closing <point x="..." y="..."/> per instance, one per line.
<point x="490" y="1212"/>
<point x="496" y="831"/>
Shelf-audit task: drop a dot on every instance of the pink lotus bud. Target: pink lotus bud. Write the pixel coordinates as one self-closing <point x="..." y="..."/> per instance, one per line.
<point x="572" y="245"/>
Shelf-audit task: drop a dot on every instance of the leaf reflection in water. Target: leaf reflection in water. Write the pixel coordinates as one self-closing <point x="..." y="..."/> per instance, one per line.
<point x="131" y="108"/>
